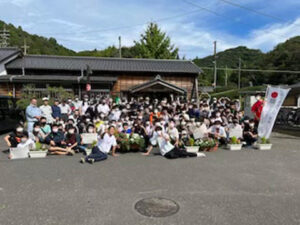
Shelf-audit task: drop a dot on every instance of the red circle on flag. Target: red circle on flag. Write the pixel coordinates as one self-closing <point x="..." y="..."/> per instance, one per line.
<point x="274" y="94"/>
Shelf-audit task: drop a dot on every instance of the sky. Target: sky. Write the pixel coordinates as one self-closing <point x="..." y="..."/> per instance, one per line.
<point x="192" y="25"/>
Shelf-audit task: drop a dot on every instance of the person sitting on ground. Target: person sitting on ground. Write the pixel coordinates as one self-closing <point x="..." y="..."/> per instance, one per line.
<point x="25" y="144"/>
<point x="173" y="133"/>
<point x="13" y="139"/>
<point x="56" y="141"/>
<point x="250" y="133"/>
<point x="72" y="139"/>
<point x="36" y="134"/>
<point x="45" y="128"/>
<point x="217" y="131"/>
<point x="106" y="143"/>
<point x="166" y="149"/>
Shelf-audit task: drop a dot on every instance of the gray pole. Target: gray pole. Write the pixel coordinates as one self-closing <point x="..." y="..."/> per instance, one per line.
<point x="197" y="91"/>
<point x="120" y="47"/>
<point x="239" y="78"/>
<point x="215" y="64"/>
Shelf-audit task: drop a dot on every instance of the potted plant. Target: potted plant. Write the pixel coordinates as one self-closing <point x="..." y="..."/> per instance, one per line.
<point x="40" y="151"/>
<point x="235" y="144"/>
<point x="192" y="145"/>
<point x="208" y="144"/>
<point x="136" y="142"/>
<point x="263" y="144"/>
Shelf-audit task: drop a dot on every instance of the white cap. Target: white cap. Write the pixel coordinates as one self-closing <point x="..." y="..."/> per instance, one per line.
<point x="45" y="99"/>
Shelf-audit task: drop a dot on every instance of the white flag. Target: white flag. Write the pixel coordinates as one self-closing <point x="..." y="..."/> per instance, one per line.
<point x="273" y="101"/>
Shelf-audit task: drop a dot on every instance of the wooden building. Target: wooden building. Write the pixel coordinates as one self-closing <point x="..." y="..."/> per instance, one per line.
<point x="116" y="76"/>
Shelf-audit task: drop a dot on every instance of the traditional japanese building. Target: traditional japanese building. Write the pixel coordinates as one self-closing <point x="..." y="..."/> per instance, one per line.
<point x="117" y="76"/>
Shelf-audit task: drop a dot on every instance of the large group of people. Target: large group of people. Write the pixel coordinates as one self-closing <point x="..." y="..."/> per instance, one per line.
<point x="165" y="123"/>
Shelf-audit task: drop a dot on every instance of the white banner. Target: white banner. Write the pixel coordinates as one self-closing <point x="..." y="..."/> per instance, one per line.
<point x="273" y="101"/>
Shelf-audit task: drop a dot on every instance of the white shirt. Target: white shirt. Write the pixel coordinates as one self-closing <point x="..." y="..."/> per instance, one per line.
<point x="115" y="115"/>
<point x="28" y="144"/>
<point x="103" y="109"/>
<point x="47" y="112"/>
<point x="65" y="109"/>
<point x="84" y="107"/>
<point x="106" y="143"/>
<point x="77" y="104"/>
<point x="173" y="132"/>
<point x="164" y="145"/>
<point x="213" y="130"/>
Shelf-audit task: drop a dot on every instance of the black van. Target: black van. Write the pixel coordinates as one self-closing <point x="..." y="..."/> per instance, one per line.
<point x="10" y="115"/>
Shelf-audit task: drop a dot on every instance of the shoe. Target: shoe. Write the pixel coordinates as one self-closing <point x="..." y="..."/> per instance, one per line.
<point x="201" y="154"/>
<point x="82" y="160"/>
<point x="91" y="161"/>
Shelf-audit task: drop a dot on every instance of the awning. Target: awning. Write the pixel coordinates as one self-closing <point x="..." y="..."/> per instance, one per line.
<point x="157" y="85"/>
<point x="55" y="78"/>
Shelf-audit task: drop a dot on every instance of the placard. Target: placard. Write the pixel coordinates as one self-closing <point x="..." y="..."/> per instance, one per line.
<point x="19" y="153"/>
<point x="236" y="132"/>
<point x="200" y="132"/>
<point x="89" y="138"/>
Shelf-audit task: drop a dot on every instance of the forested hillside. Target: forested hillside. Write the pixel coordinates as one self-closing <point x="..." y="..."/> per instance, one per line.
<point x="154" y="43"/>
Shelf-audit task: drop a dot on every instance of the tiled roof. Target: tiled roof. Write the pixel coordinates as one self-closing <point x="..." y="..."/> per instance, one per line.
<point x="104" y="64"/>
<point x="28" y="78"/>
<point x="156" y="81"/>
<point x="6" y="53"/>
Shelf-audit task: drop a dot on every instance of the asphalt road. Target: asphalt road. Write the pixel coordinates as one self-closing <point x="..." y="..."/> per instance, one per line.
<point x="237" y="188"/>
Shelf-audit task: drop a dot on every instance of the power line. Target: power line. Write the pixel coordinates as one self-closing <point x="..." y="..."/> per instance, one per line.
<point x="254" y="70"/>
<point x="226" y="17"/>
<point x="254" y="11"/>
<point x="127" y="26"/>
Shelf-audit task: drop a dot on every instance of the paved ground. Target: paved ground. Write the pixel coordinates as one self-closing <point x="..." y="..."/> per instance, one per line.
<point x="236" y="188"/>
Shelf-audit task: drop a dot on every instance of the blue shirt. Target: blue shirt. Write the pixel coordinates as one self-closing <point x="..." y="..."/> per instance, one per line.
<point x="31" y="112"/>
<point x="56" y="111"/>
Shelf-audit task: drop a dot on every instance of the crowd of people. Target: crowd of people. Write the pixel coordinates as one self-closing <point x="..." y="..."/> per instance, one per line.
<point x="163" y="123"/>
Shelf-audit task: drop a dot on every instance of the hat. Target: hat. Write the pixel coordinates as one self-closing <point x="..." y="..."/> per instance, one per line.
<point x="45" y="99"/>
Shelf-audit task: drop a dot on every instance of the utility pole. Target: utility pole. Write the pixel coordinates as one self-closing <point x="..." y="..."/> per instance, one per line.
<point x="226" y="76"/>
<point x="215" y="64"/>
<point x="25" y="47"/>
<point x="4" y="37"/>
<point x="239" y="78"/>
<point x="120" y="47"/>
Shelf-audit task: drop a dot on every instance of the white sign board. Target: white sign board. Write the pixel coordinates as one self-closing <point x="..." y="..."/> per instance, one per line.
<point x="89" y="138"/>
<point x="236" y="132"/>
<point x="19" y="153"/>
<point x="200" y="132"/>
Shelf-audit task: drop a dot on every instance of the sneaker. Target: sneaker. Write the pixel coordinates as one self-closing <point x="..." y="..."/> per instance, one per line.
<point x="82" y="160"/>
<point x="201" y="154"/>
<point x="91" y="161"/>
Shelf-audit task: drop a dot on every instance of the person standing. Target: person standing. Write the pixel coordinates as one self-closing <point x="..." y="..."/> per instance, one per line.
<point x="47" y="110"/>
<point x="33" y="114"/>
<point x="77" y="103"/>
<point x="65" y="110"/>
<point x="257" y="108"/>
<point x="56" y="112"/>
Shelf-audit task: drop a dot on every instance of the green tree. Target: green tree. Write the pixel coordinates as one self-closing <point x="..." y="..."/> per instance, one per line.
<point x="155" y="44"/>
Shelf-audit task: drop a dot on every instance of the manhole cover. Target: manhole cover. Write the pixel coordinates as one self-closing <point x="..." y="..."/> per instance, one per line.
<point x="156" y="207"/>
